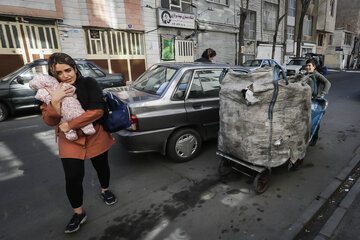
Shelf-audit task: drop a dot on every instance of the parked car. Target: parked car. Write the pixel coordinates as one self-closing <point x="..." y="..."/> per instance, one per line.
<point x="295" y="66"/>
<point x="15" y="93"/>
<point x="259" y="63"/>
<point x="174" y="108"/>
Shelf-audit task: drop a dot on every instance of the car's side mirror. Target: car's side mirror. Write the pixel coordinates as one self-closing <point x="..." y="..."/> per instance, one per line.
<point x="20" y="80"/>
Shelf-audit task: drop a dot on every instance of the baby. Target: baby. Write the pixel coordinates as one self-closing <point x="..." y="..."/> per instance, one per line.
<point x="70" y="106"/>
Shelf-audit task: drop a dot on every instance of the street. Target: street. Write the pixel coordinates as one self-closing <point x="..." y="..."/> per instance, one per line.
<point x="158" y="199"/>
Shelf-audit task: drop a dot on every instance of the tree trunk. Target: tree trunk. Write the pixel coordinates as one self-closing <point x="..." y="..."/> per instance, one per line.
<point x="243" y="15"/>
<point x="278" y="20"/>
<point x="304" y="6"/>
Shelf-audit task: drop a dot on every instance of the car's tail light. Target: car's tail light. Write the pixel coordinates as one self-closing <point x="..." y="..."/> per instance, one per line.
<point x="134" y="123"/>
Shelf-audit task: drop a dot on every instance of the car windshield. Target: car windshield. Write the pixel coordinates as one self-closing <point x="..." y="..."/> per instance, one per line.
<point x="155" y="80"/>
<point x="15" y="73"/>
<point x="296" y="62"/>
<point x="252" y="63"/>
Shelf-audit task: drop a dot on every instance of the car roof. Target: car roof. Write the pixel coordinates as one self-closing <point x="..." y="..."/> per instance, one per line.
<point x="180" y="65"/>
<point x="75" y="59"/>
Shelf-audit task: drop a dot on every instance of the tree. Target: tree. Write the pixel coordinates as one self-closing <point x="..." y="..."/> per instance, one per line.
<point x="304" y="7"/>
<point x="278" y="20"/>
<point x="243" y="15"/>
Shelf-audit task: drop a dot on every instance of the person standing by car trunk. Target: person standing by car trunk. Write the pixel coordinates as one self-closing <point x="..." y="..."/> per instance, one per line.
<point x="207" y="56"/>
<point x="73" y="153"/>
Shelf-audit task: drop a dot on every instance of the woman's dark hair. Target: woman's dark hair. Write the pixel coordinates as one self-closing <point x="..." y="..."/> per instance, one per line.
<point x="209" y="53"/>
<point x="61" y="58"/>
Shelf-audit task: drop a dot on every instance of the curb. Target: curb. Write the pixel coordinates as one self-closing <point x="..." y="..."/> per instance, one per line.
<point x="329" y="227"/>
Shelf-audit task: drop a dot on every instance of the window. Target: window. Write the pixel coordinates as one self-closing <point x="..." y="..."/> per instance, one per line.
<point x="347" y="40"/>
<point x="320" y="39"/>
<point x="177" y="5"/>
<point x="225" y="2"/>
<point x="265" y="63"/>
<point x="290" y="33"/>
<point x="155" y="80"/>
<point x="206" y="84"/>
<point x="269" y="16"/>
<point x="292" y="8"/>
<point x="332" y="6"/>
<point x="307" y="25"/>
<point x="250" y="26"/>
<point x="330" y="41"/>
<point x="105" y="42"/>
<point x="312" y="1"/>
<point x="31" y="72"/>
<point x="181" y="88"/>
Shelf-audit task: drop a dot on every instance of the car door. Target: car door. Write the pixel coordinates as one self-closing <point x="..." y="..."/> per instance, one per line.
<point x="22" y="96"/>
<point x="202" y="101"/>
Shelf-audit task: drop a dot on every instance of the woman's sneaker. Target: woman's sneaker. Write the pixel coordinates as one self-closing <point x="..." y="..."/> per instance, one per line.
<point x="109" y="197"/>
<point x="75" y="222"/>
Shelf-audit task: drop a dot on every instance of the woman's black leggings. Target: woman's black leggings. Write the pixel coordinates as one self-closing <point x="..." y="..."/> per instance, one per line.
<point x="74" y="175"/>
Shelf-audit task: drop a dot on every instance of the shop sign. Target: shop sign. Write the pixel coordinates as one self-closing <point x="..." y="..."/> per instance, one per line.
<point x="168" y="18"/>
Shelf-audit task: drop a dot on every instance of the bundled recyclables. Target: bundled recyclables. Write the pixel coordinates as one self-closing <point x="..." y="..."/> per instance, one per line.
<point x="254" y="131"/>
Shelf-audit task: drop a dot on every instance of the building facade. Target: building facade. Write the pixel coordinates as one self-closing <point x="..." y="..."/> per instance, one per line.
<point x="108" y="32"/>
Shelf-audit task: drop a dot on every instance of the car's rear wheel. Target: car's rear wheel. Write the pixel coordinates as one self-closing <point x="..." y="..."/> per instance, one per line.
<point x="4" y="112"/>
<point x="184" y="145"/>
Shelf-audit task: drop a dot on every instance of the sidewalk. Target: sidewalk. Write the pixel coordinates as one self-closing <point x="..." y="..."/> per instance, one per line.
<point x="344" y="222"/>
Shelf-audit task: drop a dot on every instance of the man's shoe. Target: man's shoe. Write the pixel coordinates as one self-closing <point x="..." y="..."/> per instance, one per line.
<point x="109" y="197"/>
<point x="75" y="222"/>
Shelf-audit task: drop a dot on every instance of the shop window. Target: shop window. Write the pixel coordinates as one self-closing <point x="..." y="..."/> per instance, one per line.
<point x="269" y="16"/>
<point x="347" y="39"/>
<point x="307" y="25"/>
<point x="332" y="6"/>
<point x="224" y="2"/>
<point x="106" y="42"/>
<point x="330" y="41"/>
<point x="177" y="5"/>
<point x="250" y="26"/>
<point x="290" y="33"/>
<point x="320" y="39"/>
<point x="292" y="8"/>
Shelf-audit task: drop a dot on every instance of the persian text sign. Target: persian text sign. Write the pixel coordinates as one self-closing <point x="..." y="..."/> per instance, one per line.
<point x="168" y="18"/>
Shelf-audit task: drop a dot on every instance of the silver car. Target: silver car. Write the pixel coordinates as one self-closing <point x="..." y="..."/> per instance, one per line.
<point x="259" y="63"/>
<point x="174" y="108"/>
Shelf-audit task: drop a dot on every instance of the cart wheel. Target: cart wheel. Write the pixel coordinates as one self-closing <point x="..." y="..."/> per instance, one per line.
<point x="315" y="137"/>
<point x="224" y="167"/>
<point x="297" y="165"/>
<point x="262" y="181"/>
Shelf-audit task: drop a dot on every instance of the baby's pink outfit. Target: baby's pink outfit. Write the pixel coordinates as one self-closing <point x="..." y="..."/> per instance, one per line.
<point x="70" y="106"/>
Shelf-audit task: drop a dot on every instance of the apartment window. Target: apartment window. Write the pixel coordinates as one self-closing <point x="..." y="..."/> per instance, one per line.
<point x="225" y="2"/>
<point x="290" y="32"/>
<point x="307" y="25"/>
<point x="250" y="26"/>
<point x="347" y="40"/>
<point x="332" y="5"/>
<point x="292" y="8"/>
<point x="321" y="39"/>
<point x="177" y="5"/>
<point x="330" y="41"/>
<point x="269" y="16"/>
<point x="104" y="42"/>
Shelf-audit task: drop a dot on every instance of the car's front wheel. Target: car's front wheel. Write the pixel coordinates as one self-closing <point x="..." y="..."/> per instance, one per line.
<point x="4" y="112"/>
<point x="184" y="145"/>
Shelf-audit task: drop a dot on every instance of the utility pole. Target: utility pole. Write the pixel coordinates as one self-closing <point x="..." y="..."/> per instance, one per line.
<point x="243" y="15"/>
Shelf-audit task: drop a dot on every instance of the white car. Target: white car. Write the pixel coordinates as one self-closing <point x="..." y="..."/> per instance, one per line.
<point x="294" y="66"/>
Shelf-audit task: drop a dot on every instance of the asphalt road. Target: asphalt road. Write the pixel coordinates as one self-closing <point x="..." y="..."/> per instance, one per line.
<point x="158" y="199"/>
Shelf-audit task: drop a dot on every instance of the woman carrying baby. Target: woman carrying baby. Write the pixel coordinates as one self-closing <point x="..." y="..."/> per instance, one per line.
<point x="72" y="153"/>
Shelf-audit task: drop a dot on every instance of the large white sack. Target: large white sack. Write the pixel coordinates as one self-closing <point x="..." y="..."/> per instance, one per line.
<point x="244" y="124"/>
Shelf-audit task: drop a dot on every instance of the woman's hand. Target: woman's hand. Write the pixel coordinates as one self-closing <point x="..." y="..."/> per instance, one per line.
<point x="64" y="127"/>
<point x="59" y="93"/>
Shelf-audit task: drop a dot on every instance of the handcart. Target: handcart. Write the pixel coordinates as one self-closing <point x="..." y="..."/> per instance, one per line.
<point x="261" y="174"/>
